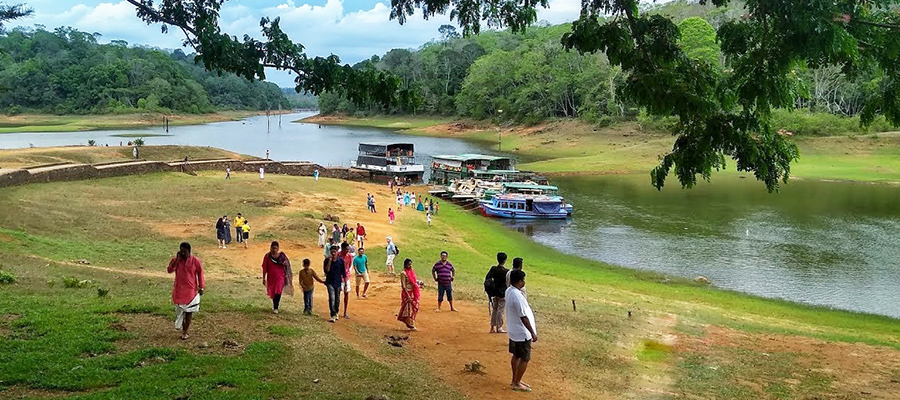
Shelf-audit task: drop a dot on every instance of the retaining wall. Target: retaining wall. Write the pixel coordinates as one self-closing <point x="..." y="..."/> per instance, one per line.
<point x="70" y="171"/>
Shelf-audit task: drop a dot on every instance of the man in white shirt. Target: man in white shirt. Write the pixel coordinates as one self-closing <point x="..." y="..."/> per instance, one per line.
<point x="521" y="329"/>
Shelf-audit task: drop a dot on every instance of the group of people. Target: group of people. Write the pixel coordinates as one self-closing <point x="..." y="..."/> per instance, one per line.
<point x="409" y="199"/>
<point x="343" y="261"/>
<point x="370" y="202"/>
<point x="241" y="230"/>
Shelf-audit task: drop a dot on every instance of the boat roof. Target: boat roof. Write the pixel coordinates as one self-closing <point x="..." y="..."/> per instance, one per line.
<point x="386" y="143"/>
<point x="468" y="157"/>
<point x="523" y="185"/>
<point x="520" y="196"/>
<point x="497" y="172"/>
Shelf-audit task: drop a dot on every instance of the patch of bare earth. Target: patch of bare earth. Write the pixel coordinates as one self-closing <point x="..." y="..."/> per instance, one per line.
<point x="857" y="370"/>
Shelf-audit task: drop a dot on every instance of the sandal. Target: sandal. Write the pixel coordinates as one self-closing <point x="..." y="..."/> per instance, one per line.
<point x="185" y="337"/>
<point x="520" y="388"/>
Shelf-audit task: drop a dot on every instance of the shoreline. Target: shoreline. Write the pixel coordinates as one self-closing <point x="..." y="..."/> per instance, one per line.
<point x="48" y="123"/>
<point x="575" y="148"/>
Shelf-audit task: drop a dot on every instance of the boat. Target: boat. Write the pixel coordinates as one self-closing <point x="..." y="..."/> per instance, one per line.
<point x="527" y="187"/>
<point x="447" y="168"/>
<point x="389" y="160"/>
<point x="526" y="206"/>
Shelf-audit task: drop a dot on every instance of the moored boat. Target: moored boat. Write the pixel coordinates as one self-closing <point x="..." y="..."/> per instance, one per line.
<point x="389" y="160"/>
<point x="526" y="206"/>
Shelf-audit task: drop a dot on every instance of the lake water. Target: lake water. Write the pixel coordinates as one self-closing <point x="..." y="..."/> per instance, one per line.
<point x="825" y="243"/>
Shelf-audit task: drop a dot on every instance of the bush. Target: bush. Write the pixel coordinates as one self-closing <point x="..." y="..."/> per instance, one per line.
<point x="75" y="283"/>
<point x="802" y="122"/>
<point x="7" y="278"/>
<point x="92" y="142"/>
<point x="139" y="142"/>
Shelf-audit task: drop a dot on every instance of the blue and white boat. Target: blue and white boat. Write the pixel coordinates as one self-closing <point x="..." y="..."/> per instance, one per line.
<point x="526" y="206"/>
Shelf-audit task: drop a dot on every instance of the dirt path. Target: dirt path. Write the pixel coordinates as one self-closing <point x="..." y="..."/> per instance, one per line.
<point x="446" y="340"/>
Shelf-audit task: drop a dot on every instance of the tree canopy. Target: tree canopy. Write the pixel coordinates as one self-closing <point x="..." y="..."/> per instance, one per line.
<point x="723" y="114"/>
<point x="720" y="113"/>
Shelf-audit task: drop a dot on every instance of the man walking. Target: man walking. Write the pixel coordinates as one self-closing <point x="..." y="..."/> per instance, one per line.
<point x="444" y="273"/>
<point x="238" y="227"/>
<point x="334" y="277"/>
<point x="361" y="269"/>
<point x="522" y="329"/>
<point x="495" y="287"/>
<point x="360" y="235"/>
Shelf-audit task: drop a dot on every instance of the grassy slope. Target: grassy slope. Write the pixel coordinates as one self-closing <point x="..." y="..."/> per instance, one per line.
<point x="15" y="158"/>
<point x="119" y="223"/>
<point x="69" y="123"/>
<point x="572" y="147"/>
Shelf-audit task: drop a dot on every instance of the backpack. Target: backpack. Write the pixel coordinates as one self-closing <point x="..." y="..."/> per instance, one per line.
<point x="396" y="250"/>
<point x="491" y="286"/>
<point x="489" y="283"/>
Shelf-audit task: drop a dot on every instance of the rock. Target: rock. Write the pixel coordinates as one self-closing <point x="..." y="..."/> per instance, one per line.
<point x="315" y="381"/>
<point x="378" y="397"/>
<point x="395" y="343"/>
<point x="702" y="280"/>
<point x="203" y="345"/>
<point x="230" y="344"/>
<point x="332" y="218"/>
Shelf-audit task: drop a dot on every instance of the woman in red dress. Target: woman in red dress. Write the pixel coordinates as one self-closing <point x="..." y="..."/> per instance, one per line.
<point x="277" y="275"/>
<point x="189" y="284"/>
<point x="409" y="297"/>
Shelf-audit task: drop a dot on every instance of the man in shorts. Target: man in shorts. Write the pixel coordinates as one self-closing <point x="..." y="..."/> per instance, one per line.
<point x="391" y="251"/>
<point x="521" y="329"/>
<point x="361" y="269"/>
<point x="360" y="235"/>
<point x="444" y="273"/>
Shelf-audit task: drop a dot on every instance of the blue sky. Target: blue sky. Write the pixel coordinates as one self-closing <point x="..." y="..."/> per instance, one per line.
<point x="352" y="29"/>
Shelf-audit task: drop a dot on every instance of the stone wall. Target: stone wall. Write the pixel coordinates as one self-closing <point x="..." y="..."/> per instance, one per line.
<point x="69" y="171"/>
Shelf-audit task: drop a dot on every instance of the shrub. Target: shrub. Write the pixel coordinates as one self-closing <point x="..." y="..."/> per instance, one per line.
<point x="7" y="278"/>
<point x="92" y="142"/>
<point x="139" y="142"/>
<point x="75" y="283"/>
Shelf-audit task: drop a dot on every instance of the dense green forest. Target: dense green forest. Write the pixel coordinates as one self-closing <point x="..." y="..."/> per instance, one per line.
<point x="530" y="77"/>
<point x="66" y="71"/>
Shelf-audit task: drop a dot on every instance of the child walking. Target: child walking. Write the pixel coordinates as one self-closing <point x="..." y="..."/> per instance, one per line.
<point x="245" y="230"/>
<point x="391" y="215"/>
<point x="308" y="279"/>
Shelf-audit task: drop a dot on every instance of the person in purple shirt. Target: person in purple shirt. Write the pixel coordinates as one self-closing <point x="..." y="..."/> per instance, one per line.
<point x="443" y="273"/>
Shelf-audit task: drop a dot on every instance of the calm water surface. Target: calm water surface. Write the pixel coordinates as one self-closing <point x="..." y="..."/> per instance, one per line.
<point x="826" y="243"/>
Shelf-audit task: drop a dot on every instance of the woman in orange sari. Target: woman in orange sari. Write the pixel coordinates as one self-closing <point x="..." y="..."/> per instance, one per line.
<point x="409" y="298"/>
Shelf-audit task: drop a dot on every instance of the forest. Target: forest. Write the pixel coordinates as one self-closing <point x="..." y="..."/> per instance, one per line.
<point x="529" y="77"/>
<point x="66" y="71"/>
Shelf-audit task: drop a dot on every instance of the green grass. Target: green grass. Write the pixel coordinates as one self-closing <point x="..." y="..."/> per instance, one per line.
<point x="130" y="224"/>
<point x="385" y="122"/>
<point x="139" y="135"/>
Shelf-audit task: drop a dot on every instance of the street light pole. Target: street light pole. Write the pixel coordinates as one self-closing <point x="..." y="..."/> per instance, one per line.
<point x="500" y="130"/>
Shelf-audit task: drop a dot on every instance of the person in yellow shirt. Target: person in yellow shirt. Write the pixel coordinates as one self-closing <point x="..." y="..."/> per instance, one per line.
<point x="238" y="225"/>
<point x="245" y="230"/>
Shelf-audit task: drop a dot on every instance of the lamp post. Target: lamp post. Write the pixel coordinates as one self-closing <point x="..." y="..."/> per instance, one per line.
<point x="500" y="130"/>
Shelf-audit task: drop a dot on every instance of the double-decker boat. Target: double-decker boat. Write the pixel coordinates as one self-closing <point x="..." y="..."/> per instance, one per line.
<point x="389" y="160"/>
<point x="526" y="206"/>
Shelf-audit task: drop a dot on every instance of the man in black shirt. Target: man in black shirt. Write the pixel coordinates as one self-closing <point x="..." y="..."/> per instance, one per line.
<point x="334" y="276"/>
<point x="495" y="287"/>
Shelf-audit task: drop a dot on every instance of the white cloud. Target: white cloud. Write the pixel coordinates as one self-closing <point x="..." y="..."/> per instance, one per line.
<point x="324" y="29"/>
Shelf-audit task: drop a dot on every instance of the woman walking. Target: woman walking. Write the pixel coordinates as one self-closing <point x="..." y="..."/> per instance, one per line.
<point x="322" y="230"/>
<point x="220" y="232"/>
<point x="189" y="284"/>
<point x="344" y="230"/>
<point x="409" y="297"/>
<point x="277" y="275"/>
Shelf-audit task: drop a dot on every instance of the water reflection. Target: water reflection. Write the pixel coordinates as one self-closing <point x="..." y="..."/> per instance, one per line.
<point x="825" y="243"/>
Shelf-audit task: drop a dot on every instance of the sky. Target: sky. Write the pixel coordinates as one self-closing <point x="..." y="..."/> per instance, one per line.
<point x="352" y="29"/>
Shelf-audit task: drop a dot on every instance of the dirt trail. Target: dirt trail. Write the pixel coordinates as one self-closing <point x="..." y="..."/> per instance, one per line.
<point x="446" y="340"/>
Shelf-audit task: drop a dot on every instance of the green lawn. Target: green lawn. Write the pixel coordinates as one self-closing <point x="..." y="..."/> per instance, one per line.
<point x="70" y="123"/>
<point x="60" y="341"/>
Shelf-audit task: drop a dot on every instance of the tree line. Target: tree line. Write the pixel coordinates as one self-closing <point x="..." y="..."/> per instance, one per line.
<point x="530" y="76"/>
<point x="67" y="71"/>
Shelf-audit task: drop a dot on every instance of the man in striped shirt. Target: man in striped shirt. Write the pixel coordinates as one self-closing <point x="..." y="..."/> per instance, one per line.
<point x="443" y="273"/>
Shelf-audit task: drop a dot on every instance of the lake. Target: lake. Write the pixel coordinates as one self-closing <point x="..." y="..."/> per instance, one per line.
<point x="824" y="243"/>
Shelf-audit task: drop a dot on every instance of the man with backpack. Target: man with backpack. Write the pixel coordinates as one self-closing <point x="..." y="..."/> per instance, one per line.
<point x="495" y="287"/>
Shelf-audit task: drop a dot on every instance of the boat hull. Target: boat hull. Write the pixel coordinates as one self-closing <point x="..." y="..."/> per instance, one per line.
<point x="491" y="211"/>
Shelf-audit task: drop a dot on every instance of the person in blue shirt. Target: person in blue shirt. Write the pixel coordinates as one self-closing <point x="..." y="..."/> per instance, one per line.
<point x="361" y="270"/>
